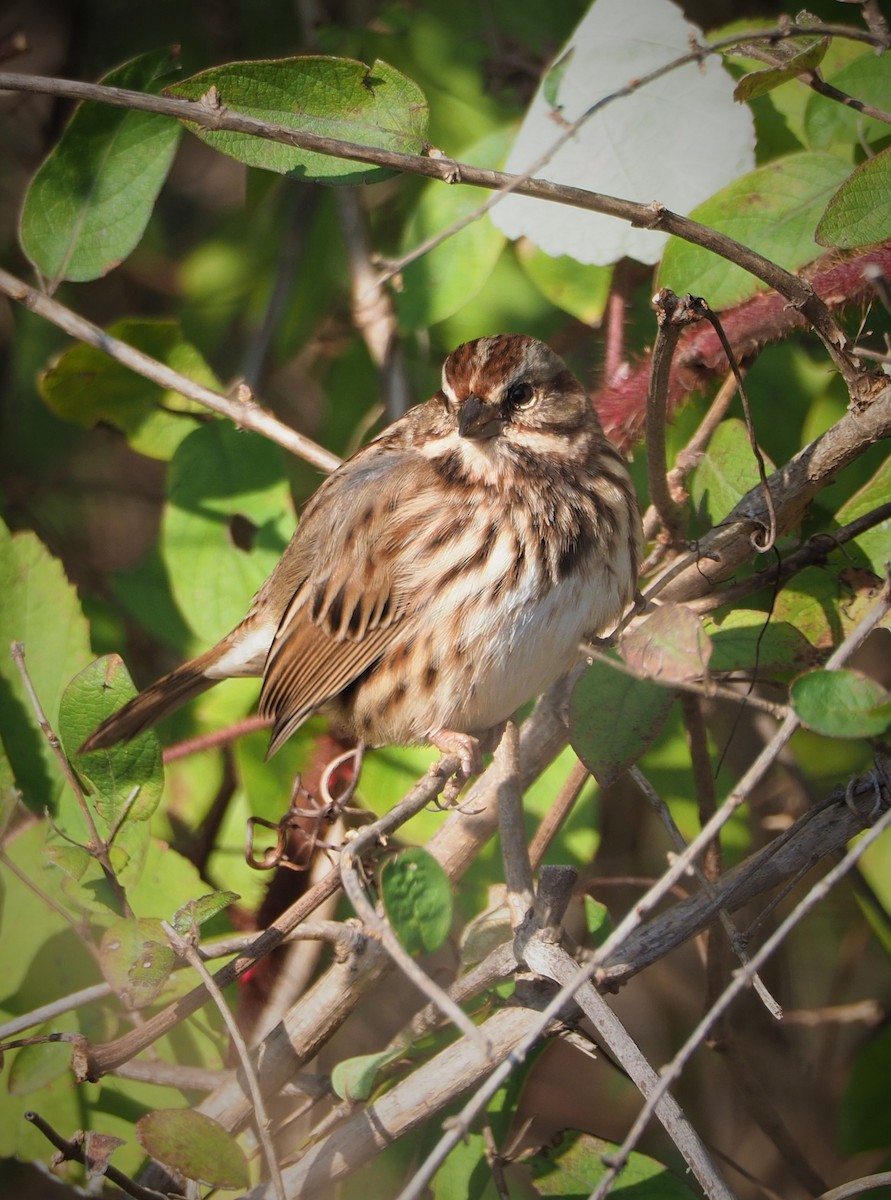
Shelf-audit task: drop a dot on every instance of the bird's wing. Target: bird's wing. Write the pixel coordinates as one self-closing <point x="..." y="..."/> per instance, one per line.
<point x="349" y="568"/>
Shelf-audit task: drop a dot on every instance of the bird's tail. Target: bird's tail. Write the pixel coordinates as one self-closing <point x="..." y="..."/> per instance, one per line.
<point x="159" y="699"/>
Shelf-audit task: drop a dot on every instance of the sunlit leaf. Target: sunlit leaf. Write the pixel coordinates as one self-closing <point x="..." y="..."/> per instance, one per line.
<point x="809" y="53"/>
<point x="445" y="278"/>
<point x="875" y="543"/>
<point x="40" y="608"/>
<point x="726" y="472"/>
<point x="198" y="912"/>
<point x="635" y="147"/>
<point x="332" y="97"/>
<point x="355" y="1078"/>
<point x="126" y="780"/>
<point x="743" y="639"/>
<point x="575" y="287"/>
<point x="840" y="126"/>
<point x="220" y="478"/>
<point x="852" y="217"/>
<point x="841" y="703"/>
<point x="33" y="1067"/>
<point x="417" y="899"/>
<point x="88" y="205"/>
<point x="773" y="210"/>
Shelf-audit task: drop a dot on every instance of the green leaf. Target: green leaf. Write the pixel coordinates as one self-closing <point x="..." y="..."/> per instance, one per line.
<point x="808" y="55"/>
<point x="830" y="124"/>
<point x="671" y="646"/>
<point x="354" y="1078"/>
<point x="418" y="900"/>
<point x="223" y="483"/>
<point x="194" y="1144"/>
<point x="333" y="97"/>
<point x="863" y="1123"/>
<point x="443" y="280"/>
<point x="597" y="920"/>
<point x="773" y="210"/>
<point x="554" y="77"/>
<point x="40" y="608"/>
<point x="199" y="912"/>
<point x="852" y="217"/>
<point x="725" y="473"/>
<point x="574" y="1169"/>
<point x="136" y="959"/>
<point x="578" y="289"/>
<point x="613" y="718"/>
<point x="88" y="205"/>
<point x="85" y="386"/>
<point x="841" y="704"/>
<point x="34" y="1067"/>
<point x="115" y="774"/>
<point x="875" y="544"/>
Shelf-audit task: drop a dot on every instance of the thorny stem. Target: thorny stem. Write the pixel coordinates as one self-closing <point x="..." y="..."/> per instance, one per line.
<point x="673" y="314"/>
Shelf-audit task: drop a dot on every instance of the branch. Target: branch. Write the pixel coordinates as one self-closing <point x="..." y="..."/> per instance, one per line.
<point x="245" y="414"/>
<point x="797" y="291"/>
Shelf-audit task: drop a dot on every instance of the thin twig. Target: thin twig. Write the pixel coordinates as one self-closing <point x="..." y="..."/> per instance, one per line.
<point x="243" y="414"/>
<point x="514" y="848"/>
<point x="558" y="811"/>
<point x="185" y="948"/>
<point x="74" y="1152"/>
<point x="796" y="290"/>
<point x="689" y="457"/>
<point x="351" y="876"/>
<point x="735" y="938"/>
<point x="742" y="980"/>
<point x="673" y="315"/>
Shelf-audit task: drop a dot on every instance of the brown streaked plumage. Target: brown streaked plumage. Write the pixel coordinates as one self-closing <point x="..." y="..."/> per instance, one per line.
<point x="442" y="576"/>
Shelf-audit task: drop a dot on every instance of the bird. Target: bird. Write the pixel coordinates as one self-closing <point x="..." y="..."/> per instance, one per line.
<point x="441" y="577"/>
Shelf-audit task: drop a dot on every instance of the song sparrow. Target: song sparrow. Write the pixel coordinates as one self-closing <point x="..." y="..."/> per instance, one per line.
<point x="443" y="575"/>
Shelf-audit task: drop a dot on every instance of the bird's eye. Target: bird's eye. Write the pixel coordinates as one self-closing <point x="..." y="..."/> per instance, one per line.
<point x="520" y="395"/>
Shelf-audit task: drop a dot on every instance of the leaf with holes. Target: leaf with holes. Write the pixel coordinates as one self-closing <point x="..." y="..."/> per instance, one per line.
<point x="127" y="780"/>
<point x="136" y="959"/>
<point x="227" y="520"/>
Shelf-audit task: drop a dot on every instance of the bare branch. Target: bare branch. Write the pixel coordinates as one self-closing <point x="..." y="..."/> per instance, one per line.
<point x="244" y="414"/>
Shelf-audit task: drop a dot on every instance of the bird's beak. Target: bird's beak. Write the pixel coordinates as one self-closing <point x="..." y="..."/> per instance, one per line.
<point x="479" y="420"/>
